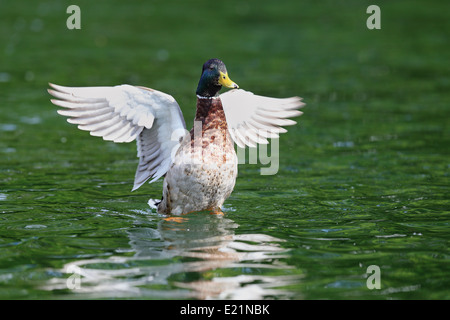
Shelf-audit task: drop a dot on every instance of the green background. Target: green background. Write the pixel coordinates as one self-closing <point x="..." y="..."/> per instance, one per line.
<point x="363" y="178"/>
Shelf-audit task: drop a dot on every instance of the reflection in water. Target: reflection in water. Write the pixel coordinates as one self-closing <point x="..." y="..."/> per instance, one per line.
<point x="194" y="256"/>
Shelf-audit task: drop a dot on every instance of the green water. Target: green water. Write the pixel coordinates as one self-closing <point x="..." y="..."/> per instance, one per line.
<point x="363" y="178"/>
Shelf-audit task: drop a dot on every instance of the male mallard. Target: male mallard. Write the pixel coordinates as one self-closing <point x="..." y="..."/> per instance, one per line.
<point x="200" y="167"/>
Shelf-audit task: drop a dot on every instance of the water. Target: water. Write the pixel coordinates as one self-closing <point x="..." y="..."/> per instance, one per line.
<point x="362" y="180"/>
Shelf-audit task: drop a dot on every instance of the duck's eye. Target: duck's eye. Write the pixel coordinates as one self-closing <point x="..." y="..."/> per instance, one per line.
<point x="223" y="77"/>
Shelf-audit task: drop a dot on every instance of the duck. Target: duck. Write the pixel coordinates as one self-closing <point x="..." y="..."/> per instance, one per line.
<point x="200" y="166"/>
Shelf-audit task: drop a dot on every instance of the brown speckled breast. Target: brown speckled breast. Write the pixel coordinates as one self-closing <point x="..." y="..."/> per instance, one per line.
<point x="214" y="128"/>
<point x="204" y="170"/>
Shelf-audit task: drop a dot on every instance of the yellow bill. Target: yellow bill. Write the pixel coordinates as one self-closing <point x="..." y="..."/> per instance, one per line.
<point x="225" y="81"/>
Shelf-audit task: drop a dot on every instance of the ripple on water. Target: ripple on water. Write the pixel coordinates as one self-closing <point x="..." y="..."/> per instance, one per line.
<point x="185" y="258"/>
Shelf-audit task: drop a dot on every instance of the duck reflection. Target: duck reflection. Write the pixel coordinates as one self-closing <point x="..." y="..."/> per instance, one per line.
<point x="193" y="256"/>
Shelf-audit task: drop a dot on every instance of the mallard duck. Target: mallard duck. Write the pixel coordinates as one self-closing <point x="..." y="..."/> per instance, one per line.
<point x="199" y="166"/>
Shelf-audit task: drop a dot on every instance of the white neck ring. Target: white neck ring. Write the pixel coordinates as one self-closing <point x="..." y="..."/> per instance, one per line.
<point x="207" y="98"/>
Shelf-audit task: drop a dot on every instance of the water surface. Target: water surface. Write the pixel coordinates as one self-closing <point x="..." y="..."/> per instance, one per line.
<point x="362" y="179"/>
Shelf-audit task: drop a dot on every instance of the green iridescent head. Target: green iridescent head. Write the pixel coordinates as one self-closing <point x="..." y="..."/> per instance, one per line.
<point x="214" y="76"/>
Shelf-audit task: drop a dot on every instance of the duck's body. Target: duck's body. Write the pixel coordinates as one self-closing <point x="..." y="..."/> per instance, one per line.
<point x="204" y="170"/>
<point x="200" y="166"/>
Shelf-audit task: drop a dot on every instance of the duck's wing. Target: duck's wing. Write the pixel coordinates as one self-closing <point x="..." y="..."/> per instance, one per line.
<point x="124" y="113"/>
<point x="252" y="119"/>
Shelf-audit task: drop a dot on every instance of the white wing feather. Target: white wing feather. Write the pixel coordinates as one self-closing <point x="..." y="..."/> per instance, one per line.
<point x="252" y="119"/>
<point x="125" y="113"/>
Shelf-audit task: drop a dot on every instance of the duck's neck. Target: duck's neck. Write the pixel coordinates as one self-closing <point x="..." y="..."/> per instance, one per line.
<point x="207" y="88"/>
<point x="210" y="113"/>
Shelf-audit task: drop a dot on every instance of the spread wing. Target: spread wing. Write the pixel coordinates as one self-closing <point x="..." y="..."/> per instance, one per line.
<point x="252" y="119"/>
<point x="124" y="113"/>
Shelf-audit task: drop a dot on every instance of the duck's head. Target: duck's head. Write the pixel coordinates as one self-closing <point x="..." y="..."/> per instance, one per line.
<point x="214" y="76"/>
